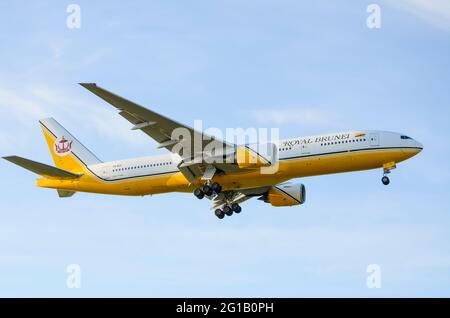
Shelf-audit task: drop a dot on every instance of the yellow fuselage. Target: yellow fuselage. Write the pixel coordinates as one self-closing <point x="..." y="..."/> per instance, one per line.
<point x="288" y="168"/>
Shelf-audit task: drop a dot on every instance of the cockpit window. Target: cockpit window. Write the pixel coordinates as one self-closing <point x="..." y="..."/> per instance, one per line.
<point x="405" y="137"/>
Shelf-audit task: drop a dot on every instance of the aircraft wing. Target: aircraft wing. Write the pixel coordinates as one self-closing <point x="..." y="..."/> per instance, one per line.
<point x="157" y="126"/>
<point x="161" y="129"/>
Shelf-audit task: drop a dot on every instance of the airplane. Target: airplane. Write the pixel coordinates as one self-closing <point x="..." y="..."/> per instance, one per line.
<point x="227" y="182"/>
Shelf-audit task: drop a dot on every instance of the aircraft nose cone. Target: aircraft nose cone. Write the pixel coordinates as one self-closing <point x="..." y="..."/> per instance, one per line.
<point x="419" y="145"/>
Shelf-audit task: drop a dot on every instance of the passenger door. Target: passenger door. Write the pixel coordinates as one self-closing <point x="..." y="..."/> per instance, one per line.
<point x="374" y="139"/>
<point x="305" y="149"/>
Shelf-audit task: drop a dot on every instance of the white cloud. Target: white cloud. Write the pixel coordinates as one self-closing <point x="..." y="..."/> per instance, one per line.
<point x="436" y="12"/>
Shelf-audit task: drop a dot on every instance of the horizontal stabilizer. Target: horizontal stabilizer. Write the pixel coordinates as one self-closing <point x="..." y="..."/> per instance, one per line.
<point x="41" y="168"/>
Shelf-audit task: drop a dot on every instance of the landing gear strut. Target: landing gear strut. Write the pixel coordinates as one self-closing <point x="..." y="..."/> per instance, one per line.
<point x="229" y="207"/>
<point x="387" y="167"/>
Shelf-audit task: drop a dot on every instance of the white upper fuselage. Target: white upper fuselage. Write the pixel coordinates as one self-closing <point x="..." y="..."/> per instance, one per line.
<point x="288" y="148"/>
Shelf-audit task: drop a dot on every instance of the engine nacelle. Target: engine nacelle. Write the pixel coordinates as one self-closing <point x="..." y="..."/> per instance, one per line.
<point x="256" y="155"/>
<point x="286" y="194"/>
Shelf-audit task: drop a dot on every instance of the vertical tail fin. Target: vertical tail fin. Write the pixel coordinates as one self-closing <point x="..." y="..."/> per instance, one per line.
<point x="67" y="152"/>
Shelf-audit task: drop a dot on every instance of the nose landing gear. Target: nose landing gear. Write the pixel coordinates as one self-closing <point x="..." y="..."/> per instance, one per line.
<point x="387" y="167"/>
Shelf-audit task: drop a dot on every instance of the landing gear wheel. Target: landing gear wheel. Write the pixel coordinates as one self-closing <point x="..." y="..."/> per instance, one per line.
<point x="217" y="188"/>
<point x="219" y="213"/>
<point x="236" y="208"/>
<point x="199" y="193"/>
<point x="385" y="180"/>
<point x="207" y="190"/>
<point x="227" y="210"/>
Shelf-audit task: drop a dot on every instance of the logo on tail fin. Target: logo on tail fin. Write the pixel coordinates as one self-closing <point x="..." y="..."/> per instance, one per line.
<point x="62" y="146"/>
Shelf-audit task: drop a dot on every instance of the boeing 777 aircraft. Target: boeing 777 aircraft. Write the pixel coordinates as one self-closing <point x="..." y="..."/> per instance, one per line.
<point x="227" y="177"/>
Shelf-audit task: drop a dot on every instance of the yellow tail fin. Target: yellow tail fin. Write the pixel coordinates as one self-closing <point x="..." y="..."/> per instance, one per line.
<point x="67" y="152"/>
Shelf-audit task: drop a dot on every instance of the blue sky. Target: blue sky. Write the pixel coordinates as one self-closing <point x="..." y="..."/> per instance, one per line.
<point x="309" y="67"/>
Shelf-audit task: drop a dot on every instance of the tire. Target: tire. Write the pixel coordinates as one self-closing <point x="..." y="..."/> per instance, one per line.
<point x="199" y="193"/>
<point x="219" y="213"/>
<point x="227" y="210"/>
<point x="385" y="180"/>
<point x="207" y="190"/>
<point x="217" y="188"/>
<point x="236" y="207"/>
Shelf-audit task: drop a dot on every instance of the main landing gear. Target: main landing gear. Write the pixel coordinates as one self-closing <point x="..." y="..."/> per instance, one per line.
<point x="208" y="190"/>
<point x="228" y="210"/>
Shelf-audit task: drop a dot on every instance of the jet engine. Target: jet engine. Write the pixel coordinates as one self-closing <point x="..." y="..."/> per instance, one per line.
<point x="286" y="194"/>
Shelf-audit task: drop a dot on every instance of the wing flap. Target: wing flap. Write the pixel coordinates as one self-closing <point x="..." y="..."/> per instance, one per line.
<point x="230" y="197"/>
